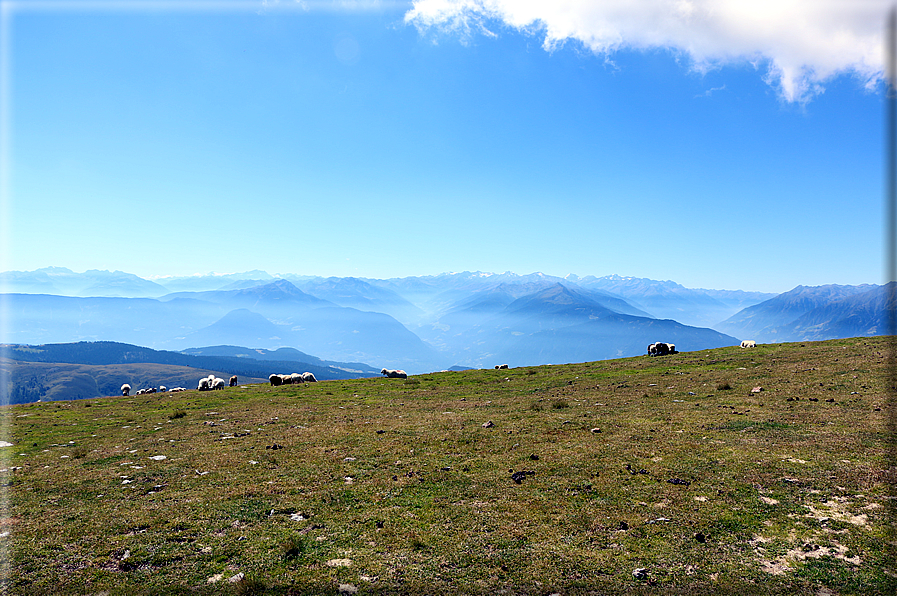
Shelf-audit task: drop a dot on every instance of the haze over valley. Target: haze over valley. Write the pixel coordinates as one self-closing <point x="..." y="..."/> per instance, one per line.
<point x="419" y="324"/>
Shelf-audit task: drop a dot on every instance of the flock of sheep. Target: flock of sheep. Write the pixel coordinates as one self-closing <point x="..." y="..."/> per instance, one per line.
<point x="292" y="379"/>
<point x="126" y="390"/>
<point x="213" y="382"/>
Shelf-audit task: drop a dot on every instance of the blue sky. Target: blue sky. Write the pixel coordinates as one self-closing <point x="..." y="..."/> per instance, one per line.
<point x="383" y="139"/>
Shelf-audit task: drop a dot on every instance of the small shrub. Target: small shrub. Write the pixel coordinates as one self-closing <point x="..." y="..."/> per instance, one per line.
<point x="249" y="586"/>
<point x="79" y="452"/>
<point x="535" y="406"/>
<point x="724" y="385"/>
<point x="412" y="382"/>
<point x="560" y="404"/>
<point x="292" y="547"/>
<point x="178" y="413"/>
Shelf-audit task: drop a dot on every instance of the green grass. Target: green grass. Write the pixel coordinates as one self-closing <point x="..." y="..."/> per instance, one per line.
<point x="396" y="487"/>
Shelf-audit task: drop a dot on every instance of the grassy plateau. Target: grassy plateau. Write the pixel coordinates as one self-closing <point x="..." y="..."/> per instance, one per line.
<point x="756" y="471"/>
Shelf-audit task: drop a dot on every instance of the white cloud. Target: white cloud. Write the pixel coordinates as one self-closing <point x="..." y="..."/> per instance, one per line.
<point x="800" y="43"/>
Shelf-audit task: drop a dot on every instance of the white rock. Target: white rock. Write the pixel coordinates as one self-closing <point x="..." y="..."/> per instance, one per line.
<point x="158" y="457"/>
<point x="347" y="589"/>
<point x="236" y="578"/>
<point x="339" y="563"/>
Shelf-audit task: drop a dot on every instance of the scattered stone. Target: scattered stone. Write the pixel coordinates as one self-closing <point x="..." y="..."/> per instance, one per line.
<point x="5" y="444"/>
<point x="347" y="589"/>
<point x="339" y="563"/>
<point x="679" y="481"/>
<point x="596" y="430"/>
<point x="215" y="578"/>
<point x="756" y="389"/>
<point x="640" y="573"/>
<point x="623" y="526"/>
<point x="158" y="457"/>
<point x="534" y="457"/>
<point x="699" y="536"/>
<point x="489" y="424"/>
<point x="274" y="446"/>
<point x="380" y="432"/>
<point x="830" y="400"/>
<point x="519" y="476"/>
<point x="379" y="525"/>
<point x="298" y="517"/>
<point x="348" y="459"/>
<point x="814" y="399"/>
<point x="235" y="579"/>
<point x="692" y="393"/>
<point x="445" y="469"/>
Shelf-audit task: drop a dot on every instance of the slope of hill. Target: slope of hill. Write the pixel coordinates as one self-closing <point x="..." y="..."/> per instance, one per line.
<point x="670" y="300"/>
<point x="558" y="325"/>
<point x="361" y="295"/>
<point x="94" y="282"/>
<point x="27" y="382"/>
<point x="91" y="369"/>
<point x="826" y="307"/>
<point x="665" y="475"/>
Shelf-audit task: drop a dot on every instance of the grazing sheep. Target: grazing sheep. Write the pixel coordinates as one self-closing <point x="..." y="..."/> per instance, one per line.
<point x="308" y="377"/>
<point x="394" y="374"/>
<point x="203" y="384"/>
<point x="233" y="381"/>
<point x="125" y="389"/>
<point x="296" y="379"/>
<point x="177" y="389"/>
<point x="661" y="349"/>
<point x="217" y="384"/>
<point x="162" y="388"/>
<point x="748" y="343"/>
<point x="500" y="366"/>
<point x="275" y="380"/>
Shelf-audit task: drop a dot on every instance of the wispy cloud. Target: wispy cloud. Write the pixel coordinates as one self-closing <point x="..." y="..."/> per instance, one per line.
<point x="799" y="44"/>
<point x="711" y="91"/>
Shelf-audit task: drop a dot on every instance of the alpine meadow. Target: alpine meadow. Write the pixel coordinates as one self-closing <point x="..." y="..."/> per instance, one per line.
<point x="448" y="297"/>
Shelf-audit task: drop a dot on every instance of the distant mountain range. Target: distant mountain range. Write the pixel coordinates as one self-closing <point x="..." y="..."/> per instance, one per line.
<point x="815" y="313"/>
<point x="420" y="324"/>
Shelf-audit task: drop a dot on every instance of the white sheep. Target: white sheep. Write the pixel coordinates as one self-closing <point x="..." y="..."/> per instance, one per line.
<point x="500" y="366"/>
<point x="296" y="379"/>
<point x="749" y="343"/>
<point x="125" y="389"/>
<point x="203" y="384"/>
<point x="394" y="374"/>
<point x="218" y="384"/>
<point x="309" y="377"/>
<point x="162" y="388"/>
<point x="275" y="379"/>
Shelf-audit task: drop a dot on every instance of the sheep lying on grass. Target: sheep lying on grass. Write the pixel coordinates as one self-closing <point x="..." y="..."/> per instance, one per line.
<point x="394" y="374"/>
<point x="661" y="349"/>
